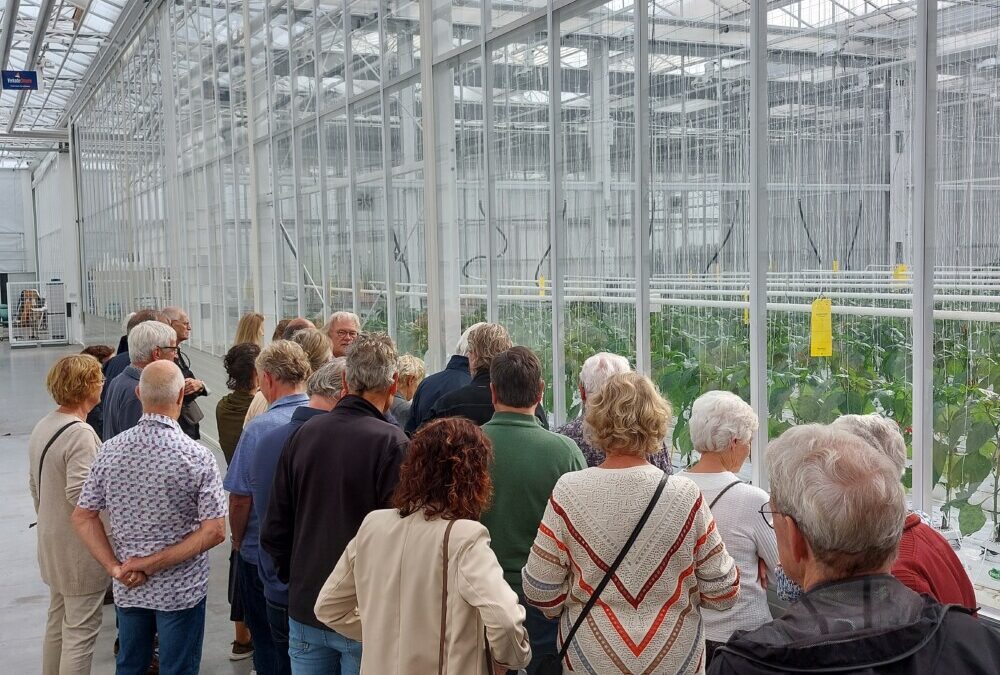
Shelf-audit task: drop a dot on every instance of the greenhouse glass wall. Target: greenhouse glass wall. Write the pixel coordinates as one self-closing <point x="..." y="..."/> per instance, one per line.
<point x="794" y="200"/>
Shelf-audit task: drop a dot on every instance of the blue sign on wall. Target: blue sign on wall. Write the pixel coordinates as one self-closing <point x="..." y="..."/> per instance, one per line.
<point x="20" y="79"/>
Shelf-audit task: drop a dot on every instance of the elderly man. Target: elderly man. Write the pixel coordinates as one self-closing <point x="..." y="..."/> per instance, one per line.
<point x="325" y="388"/>
<point x="455" y="376"/>
<point x="282" y="370"/>
<point x="164" y="497"/>
<point x="113" y="367"/>
<point x="475" y="400"/>
<point x="595" y="372"/>
<point x="191" y="413"/>
<point x="838" y="508"/>
<point x="148" y="342"/>
<point x="332" y="473"/>
<point x="343" y="328"/>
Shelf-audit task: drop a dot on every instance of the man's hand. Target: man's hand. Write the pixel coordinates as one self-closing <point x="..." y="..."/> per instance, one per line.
<point x="145" y="566"/>
<point x="192" y="386"/>
<point x="131" y="578"/>
<point x="499" y="668"/>
<point x="762" y="572"/>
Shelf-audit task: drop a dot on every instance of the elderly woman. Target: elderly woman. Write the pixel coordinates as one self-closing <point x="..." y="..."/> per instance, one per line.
<point x="722" y="426"/>
<point x="61" y="449"/>
<point x="838" y="509"/>
<point x="422" y="577"/>
<point x="926" y="561"/>
<point x="649" y="618"/>
<point x="595" y="372"/>
<point x="411" y="374"/>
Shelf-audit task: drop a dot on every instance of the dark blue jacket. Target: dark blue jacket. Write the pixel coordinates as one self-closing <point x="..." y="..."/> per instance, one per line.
<point x="122" y="407"/>
<point x="261" y="479"/>
<point x="455" y="376"/>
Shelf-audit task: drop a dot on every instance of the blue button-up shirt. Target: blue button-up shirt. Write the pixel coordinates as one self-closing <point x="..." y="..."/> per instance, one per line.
<point x="157" y="485"/>
<point x="261" y="476"/>
<point x="238" y="476"/>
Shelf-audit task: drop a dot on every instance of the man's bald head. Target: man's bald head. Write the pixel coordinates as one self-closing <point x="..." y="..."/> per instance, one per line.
<point x="161" y="388"/>
<point x="295" y="325"/>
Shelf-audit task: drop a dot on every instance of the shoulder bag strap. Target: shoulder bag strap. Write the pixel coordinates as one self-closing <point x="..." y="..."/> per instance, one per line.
<point x="444" y="597"/>
<point x="724" y="491"/>
<point x="41" y="460"/>
<point x="614" y="566"/>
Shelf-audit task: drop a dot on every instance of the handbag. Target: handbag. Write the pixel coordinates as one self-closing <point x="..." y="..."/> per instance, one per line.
<point x="41" y="460"/>
<point x="442" y="644"/>
<point x="551" y="664"/>
<point x="191" y="413"/>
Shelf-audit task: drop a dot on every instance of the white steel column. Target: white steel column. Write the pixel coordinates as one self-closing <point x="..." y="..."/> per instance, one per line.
<point x="557" y="226"/>
<point x="489" y="168"/>
<point x="924" y="173"/>
<point x="251" y="187"/>
<point x="352" y="204"/>
<point x="387" y="201"/>
<point x="758" y="243"/>
<point x="643" y="169"/>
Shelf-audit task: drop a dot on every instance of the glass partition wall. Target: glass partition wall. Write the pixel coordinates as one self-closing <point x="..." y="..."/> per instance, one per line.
<point x="794" y="201"/>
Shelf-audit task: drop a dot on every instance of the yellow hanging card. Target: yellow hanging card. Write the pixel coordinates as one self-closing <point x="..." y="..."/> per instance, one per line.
<point x="821" y="343"/>
<point x="541" y="286"/>
<point x="836" y="265"/>
<point x="899" y="272"/>
<point x="746" y="310"/>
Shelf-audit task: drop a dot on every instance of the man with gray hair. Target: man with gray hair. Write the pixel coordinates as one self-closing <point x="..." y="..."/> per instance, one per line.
<point x="595" y="372"/>
<point x="343" y="328"/>
<point x="335" y="470"/>
<point x="837" y="508"/>
<point x="148" y="342"/>
<point x="454" y="376"/>
<point x="324" y="388"/>
<point x="164" y="496"/>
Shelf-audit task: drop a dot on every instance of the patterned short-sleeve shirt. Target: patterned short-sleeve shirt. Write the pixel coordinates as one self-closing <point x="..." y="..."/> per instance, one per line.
<point x="595" y="456"/>
<point x="157" y="486"/>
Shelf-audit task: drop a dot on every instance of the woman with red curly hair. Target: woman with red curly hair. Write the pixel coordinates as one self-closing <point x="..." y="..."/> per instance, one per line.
<point x="419" y="583"/>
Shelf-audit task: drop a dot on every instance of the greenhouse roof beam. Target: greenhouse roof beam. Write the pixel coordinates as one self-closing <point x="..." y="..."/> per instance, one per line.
<point x="9" y="19"/>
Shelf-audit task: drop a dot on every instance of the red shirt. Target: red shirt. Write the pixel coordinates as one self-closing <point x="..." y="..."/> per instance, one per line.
<point x="927" y="564"/>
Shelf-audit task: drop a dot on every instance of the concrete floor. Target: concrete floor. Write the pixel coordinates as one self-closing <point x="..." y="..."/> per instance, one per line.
<point x="23" y="597"/>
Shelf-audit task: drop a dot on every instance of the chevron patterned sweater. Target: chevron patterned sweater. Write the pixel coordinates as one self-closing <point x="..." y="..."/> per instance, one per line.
<point x="648" y="618"/>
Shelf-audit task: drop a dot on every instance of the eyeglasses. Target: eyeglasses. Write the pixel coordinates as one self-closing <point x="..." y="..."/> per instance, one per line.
<point x="171" y="347"/>
<point x="186" y="322"/>
<point x="768" y="514"/>
<point x="347" y="333"/>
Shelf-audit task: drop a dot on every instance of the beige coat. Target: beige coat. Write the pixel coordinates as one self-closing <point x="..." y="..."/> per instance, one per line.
<point x="66" y="564"/>
<point x="391" y="575"/>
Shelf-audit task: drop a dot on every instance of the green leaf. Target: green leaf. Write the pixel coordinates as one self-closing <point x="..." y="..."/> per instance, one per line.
<point x="979" y="434"/>
<point x="975" y="469"/>
<point x="908" y="478"/>
<point x="970" y="519"/>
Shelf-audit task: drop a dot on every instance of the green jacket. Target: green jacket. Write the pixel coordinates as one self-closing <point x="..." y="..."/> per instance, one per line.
<point x="527" y="462"/>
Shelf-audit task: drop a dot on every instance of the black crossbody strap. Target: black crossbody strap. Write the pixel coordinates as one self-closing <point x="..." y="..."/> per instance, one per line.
<point x="41" y="460"/>
<point x="724" y="491"/>
<point x="614" y="567"/>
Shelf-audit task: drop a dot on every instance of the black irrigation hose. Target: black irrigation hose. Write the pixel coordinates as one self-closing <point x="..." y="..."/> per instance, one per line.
<point x="725" y="240"/>
<point x="805" y="227"/>
<point x="548" y="250"/>
<point x="854" y="239"/>
<point x="400" y="255"/>
<point x="500" y="254"/>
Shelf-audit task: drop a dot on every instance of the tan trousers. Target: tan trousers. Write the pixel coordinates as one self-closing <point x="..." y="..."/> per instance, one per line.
<point x="73" y="624"/>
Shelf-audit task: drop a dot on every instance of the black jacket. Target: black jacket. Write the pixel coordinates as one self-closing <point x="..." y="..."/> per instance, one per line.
<point x="475" y="402"/>
<point x="455" y="375"/>
<point x="191" y="429"/>
<point x="333" y="472"/>
<point x="869" y="625"/>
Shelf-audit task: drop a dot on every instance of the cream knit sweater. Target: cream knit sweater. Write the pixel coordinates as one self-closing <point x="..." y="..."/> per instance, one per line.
<point x="648" y="619"/>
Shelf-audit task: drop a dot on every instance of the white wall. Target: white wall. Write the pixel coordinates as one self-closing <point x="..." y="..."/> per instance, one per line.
<point x="17" y="233"/>
<point x="58" y="237"/>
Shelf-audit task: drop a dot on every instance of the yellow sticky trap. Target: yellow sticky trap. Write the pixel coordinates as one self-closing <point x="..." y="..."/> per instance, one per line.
<point x="836" y="265"/>
<point x="821" y="342"/>
<point x="746" y="310"/>
<point x="899" y="272"/>
<point x="541" y="286"/>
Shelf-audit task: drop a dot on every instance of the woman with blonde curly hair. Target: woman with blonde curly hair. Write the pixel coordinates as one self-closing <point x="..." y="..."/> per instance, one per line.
<point x="61" y="449"/>
<point x="644" y="617"/>
<point x="422" y="577"/>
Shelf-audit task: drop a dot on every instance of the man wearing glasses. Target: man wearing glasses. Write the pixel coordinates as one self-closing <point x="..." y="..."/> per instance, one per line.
<point x="148" y="342"/>
<point x="343" y="329"/>
<point x="191" y="413"/>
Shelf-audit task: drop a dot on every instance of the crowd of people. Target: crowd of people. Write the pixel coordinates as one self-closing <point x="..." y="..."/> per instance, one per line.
<point x="389" y="523"/>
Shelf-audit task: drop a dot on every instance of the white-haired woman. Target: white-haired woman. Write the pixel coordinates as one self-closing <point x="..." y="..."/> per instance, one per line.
<point x="647" y="620"/>
<point x="722" y="426"/>
<point x="926" y="563"/>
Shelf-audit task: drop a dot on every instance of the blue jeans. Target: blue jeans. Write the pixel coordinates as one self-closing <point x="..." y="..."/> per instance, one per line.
<point x="277" y="617"/>
<point x="251" y="588"/>
<point x="314" y="651"/>
<point x="542" y="633"/>
<point x="181" y="635"/>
